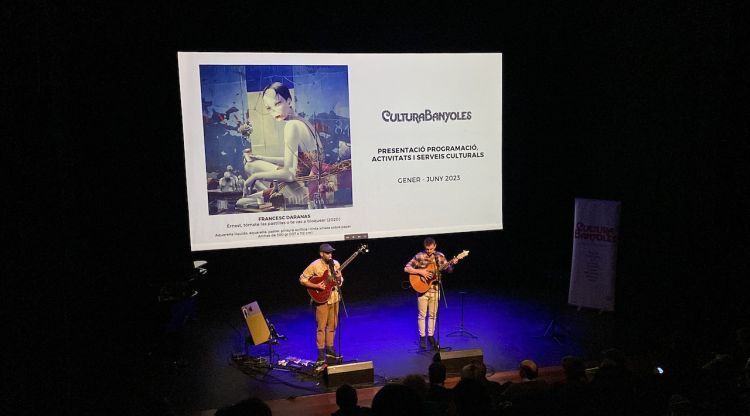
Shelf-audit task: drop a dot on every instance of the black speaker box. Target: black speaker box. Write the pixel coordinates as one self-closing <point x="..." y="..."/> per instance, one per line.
<point x="454" y="361"/>
<point x="351" y="373"/>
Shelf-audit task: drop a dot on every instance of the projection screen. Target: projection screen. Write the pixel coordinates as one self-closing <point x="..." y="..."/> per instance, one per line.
<point x="299" y="148"/>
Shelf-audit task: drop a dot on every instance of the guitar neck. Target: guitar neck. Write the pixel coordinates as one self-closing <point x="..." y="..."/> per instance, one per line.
<point x="349" y="260"/>
<point x="457" y="257"/>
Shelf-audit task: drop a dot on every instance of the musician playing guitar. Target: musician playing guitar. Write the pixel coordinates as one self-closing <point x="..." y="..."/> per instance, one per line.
<point x="420" y="265"/>
<point x="326" y="310"/>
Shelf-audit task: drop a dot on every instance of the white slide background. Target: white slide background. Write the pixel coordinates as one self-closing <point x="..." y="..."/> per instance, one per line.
<point x="467" y="196"/>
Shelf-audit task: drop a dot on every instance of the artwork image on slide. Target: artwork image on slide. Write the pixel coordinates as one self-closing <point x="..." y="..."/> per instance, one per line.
<point x="276" y="137"/>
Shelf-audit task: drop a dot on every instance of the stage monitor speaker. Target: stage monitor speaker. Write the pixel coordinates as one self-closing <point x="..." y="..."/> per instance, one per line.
<point x="256" y="323"/>
<point x="454" y="361"/>
<point x="352" y="373"/>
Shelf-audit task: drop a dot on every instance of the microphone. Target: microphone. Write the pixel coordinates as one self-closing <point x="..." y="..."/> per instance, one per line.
<point x="332" y="269"/>
<point x="272" y="329"/>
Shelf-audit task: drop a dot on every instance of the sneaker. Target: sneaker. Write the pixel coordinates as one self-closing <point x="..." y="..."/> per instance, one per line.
<point x="321" y="356"/>
<point x="433" y="343"/>
<point x="422" y="343"/>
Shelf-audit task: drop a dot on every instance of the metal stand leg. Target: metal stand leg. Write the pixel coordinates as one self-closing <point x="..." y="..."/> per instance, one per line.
<point x="271" y="343"/>
<point x="550" y="331"/>
<point x="462" y="332"/>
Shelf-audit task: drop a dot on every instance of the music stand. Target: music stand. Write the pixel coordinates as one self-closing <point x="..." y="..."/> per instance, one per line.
<point x="461" y="331"/>
<point x="261" y="330"/>
<point x="554" y="302"/>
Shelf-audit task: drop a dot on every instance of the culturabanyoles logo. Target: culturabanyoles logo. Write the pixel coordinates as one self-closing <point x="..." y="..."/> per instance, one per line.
<point x="425" y="116"/>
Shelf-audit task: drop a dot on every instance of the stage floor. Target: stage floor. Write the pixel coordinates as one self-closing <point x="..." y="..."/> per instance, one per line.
<point x="508" y="329"/>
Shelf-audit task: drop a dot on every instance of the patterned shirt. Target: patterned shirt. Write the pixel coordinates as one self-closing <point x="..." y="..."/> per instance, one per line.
<point x="318" y="268"/>
<point x="421" y="260"/>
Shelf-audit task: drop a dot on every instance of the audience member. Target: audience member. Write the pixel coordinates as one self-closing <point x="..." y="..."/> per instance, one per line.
<point x="397" y="400"/>
<point x="416" y="383"/>
<point x="719" y="388"/>
<point x="476" y="370"/>
<point x="680" y="362"/>
<point x="573" y="396"/>
<point x="470" y="398"/>
<point x="531" y="395"/>
<point x="613" y="385"/>
<point x="346" y="400"/>
<point x="248" y="407"/>
<point x="436" y="391"/>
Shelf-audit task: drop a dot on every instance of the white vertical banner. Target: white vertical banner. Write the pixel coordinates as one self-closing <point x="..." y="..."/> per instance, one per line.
<point x="595" y="236"/>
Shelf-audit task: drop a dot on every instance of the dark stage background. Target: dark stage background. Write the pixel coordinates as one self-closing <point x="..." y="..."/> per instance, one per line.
<point x="634" y="102"/>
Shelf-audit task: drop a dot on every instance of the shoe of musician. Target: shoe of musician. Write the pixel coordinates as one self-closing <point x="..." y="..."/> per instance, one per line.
<point x="433" y="343"/>
<point x="422" y="343"/>
<point x="330" y="352"/>
<point x="321" y="356"/>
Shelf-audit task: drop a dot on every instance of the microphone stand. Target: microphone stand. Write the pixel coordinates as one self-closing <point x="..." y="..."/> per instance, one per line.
<point x="340" y="357"/>
<point x="441" y="293"/>
<point x="273" y="340"/>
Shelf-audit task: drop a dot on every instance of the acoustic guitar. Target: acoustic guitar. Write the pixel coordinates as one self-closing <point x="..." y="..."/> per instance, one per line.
<point x="331" y="281"/>
<point x="422" y="284"/>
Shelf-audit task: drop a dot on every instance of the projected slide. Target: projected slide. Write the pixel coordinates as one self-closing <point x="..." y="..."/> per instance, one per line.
<point x="294" y="148"/>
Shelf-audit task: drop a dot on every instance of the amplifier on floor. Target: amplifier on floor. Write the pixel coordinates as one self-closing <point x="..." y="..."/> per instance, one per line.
<point x="351" y="373"/>
<point x="454" y="361"/>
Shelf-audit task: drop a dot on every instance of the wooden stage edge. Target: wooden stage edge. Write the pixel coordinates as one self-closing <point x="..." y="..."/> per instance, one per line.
<point x="325" y="403"/>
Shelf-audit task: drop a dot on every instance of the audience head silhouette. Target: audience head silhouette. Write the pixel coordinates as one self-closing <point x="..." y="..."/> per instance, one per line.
<point x="437" y="373"/>
<point x="396" y="400"/>
<point x="574" y="368"/>
<point x="528" y="369"/>
<point x="248" y="407"/>
<point x="475" y="370"/>
<point x="416" y="383"/>
<point x="346" y="397"/>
